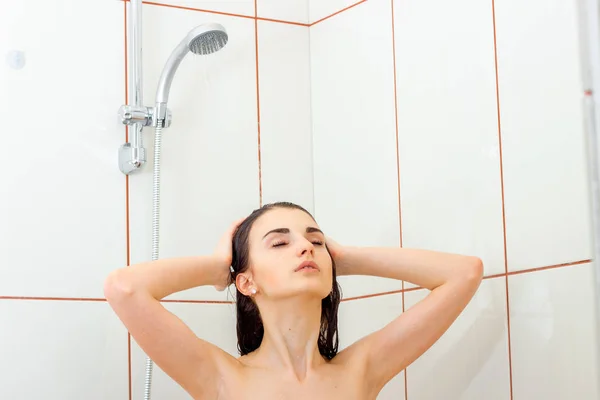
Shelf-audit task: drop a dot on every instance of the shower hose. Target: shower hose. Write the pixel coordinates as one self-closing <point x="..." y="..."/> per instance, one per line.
<point x="155" y="231"/>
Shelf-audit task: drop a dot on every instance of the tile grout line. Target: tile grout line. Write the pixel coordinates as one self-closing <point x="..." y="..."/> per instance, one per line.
<point x="336" y="13"/>
<point x="312" y="119"/>
<point x="398" y="167"/>
<point x="406" y="290"/>
<point x="501" y="165"/>
<point x="127" y="226"/>
<point x="152" y="3"/>
<point x="495" y="276"/>
<point x="260" y="193"/>
<point x="254" y="17"/>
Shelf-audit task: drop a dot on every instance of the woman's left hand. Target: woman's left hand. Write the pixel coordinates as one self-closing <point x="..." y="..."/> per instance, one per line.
<point x="336" y="250"/>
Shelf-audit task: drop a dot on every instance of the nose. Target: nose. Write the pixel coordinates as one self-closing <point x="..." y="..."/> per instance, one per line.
<point x="305" y="246"/>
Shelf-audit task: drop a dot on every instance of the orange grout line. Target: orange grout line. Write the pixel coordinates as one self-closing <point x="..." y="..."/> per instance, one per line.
<point x="366" y="296"/>
<point x="255" y="16"/>
<point x="100" y="299"/>
<point x="503" y="201"/>
<point x="129" y="364"/>
<point x="197" y="301"/>
<point x="569" y="264"/>
<point x="260" y="194"/>
<point x="280" y="21"/>
<point x="93" y="299"/>
<point x="336" y="13"/>
<point x="152" y="3"/>
<point x="399" y="291"/>
<point x="398" y="169"/>
<point x="396" y="119"/>
<point x="501" y="275"/>
<point x="127" y="230"/>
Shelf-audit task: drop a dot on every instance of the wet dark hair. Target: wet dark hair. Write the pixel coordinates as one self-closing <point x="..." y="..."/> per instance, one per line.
<point x="250" y="329"/>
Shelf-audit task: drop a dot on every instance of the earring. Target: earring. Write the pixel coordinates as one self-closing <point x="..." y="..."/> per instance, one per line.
<point x="253" y="291"/>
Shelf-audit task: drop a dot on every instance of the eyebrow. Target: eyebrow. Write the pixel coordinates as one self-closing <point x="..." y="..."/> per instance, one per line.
<point x="310" y="229"/>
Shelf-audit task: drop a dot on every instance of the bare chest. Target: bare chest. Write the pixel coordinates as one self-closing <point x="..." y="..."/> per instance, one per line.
<point x="327" y="385"/>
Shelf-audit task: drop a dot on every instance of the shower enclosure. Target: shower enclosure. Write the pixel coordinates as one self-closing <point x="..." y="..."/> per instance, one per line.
<point x="466" y="126"/>
<point x="208" y="38"/>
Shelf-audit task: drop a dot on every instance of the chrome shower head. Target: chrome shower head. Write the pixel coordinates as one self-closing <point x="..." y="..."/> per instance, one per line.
<point x="204" y="39"/>
<point x="207" y="39"/>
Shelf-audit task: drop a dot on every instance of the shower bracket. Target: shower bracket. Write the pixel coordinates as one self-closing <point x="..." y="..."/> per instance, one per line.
<point x="132" y="155"/>
<point x="130" y="115"/>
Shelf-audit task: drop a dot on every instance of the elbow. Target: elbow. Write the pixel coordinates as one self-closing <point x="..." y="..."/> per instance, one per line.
<point x="474" y="270"/>
<point x="117" y="286"/>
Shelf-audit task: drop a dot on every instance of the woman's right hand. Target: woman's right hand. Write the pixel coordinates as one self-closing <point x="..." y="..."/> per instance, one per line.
<point x="224" y="253"/>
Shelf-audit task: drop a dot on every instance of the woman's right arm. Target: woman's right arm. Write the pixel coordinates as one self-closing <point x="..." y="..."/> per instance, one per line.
<point x="134" y="293"/>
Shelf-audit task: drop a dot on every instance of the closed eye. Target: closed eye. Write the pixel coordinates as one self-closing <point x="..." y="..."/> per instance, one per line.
<point x="279" y="244"/>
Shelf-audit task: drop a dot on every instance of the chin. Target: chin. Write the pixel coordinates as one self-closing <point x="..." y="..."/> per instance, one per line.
<point x="319" y="290"/>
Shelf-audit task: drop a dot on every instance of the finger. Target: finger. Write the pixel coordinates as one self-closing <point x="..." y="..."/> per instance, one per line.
<point x="237" y="223"/>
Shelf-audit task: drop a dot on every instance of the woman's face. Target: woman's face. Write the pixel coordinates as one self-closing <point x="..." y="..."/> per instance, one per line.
<point x="288" y="256"/>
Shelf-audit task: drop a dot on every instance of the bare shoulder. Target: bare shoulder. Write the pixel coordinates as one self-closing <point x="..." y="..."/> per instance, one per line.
<point x="384" y="353"/>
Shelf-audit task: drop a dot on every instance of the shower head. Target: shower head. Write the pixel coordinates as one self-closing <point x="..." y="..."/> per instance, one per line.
<point x="207" y="39"/>
<point x="204" y="39"/>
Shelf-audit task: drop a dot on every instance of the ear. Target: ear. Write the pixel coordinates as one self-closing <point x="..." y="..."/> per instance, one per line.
<point x="244" y="284"/>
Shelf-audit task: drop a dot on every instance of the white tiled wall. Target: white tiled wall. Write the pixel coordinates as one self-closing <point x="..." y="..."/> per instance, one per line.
<point x="356" y="180"/>
<point x="285" y="114"/>
<point x="540" y="106"/>
<point x="56" y="349"/>
<point x="554" y="336"/>
<point x="338" y="104"/>
<point x="448" y="128"/>
<point x="62" y="208"/>
<point x="470" y="128"/>
<point x="319" y="10"/>
<point x="230" y="7"/>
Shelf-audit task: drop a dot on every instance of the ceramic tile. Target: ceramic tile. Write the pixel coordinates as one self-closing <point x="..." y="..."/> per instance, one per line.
<point x="321" y="9"/>
<point x="285" y="130"/>
<point x="63" y="216"/>
<point x="287" y="10"/>
<point x="60" y="350"/>
<point x="554" y="334"/>
<point x="236" y="7"/>
<point x="545" y="170"/>
<point x="448" y="129"/>
<point x="356" y="186"/>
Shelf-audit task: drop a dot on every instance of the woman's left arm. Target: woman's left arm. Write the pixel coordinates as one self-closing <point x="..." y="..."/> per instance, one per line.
<point x="452" y="279"/>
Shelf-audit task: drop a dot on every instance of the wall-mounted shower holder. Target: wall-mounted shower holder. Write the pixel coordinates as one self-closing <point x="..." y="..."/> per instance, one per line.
<point x="132" y="155"/>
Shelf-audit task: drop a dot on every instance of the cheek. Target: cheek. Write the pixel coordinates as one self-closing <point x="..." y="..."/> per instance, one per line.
<point x="269" y="274"/>
<point x="324" y="260"/>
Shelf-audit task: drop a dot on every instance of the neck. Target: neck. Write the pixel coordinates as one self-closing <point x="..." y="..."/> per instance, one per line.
<point x="291" y="334"/>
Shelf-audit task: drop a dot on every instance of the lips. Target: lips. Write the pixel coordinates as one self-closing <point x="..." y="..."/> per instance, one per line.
<point x="307" y="265"/>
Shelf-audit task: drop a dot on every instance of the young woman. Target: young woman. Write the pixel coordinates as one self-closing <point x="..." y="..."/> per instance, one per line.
<point x="284" y="269"/>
